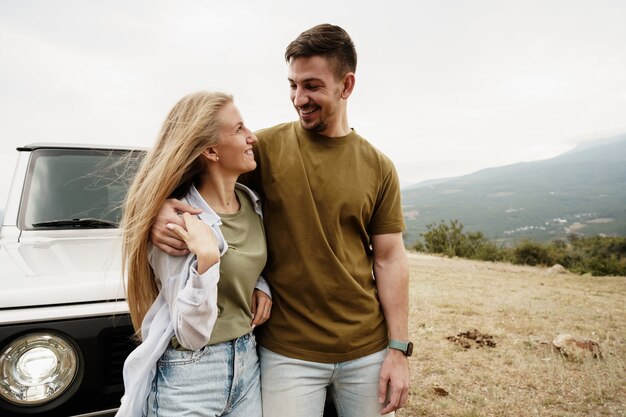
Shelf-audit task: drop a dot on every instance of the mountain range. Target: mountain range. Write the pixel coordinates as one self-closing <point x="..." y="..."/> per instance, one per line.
<point x="582" y="191"/>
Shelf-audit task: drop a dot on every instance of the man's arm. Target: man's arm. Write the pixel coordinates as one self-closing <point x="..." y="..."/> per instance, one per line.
<point x="162" y="236"/>
<point x="391" y="271"/>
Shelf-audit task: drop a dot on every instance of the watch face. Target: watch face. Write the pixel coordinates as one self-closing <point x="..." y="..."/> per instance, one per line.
<point x="409" y="349"/>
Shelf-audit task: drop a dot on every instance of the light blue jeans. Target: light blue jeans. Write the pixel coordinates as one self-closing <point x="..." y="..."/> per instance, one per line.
<point x="293" y="387"/>
<point x="217" y="380"/>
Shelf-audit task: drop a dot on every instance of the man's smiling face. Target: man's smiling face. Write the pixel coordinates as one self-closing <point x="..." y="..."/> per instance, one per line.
<point x="316" y="94"/>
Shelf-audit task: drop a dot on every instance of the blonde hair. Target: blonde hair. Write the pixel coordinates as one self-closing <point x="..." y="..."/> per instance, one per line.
<point x="168" y="170"/>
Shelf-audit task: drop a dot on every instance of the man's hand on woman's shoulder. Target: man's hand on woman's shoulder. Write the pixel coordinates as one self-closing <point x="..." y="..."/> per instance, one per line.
<point x="162" y="236"/>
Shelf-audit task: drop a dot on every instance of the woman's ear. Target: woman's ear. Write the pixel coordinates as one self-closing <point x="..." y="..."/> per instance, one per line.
<point x="211" y="155"/>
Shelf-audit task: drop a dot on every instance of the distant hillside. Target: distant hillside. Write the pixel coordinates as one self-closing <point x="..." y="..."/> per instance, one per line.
<point x="581" y="191"/>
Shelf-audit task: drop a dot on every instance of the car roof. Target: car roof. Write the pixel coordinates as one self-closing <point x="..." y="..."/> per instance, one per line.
<point x="55" y="145"/>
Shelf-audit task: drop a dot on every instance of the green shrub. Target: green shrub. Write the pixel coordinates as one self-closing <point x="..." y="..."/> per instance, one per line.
<point x="418" y="246"/>
<point x="447" y="239"/>
<point x="606" y="265"/>
<point x="597" y="255"/>
<point x="489" y="251"/>
<point x="532" y="253"/>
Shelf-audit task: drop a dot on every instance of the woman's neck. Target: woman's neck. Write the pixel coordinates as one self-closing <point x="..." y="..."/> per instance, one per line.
<point x="219" y="193"/>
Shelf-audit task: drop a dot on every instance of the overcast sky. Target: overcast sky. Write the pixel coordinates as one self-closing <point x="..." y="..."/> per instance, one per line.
<point x="444" y="87"/>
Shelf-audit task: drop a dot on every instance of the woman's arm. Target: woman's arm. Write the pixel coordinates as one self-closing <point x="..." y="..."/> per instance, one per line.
<point x="261" y="302"/>
<point x="189" y="284"/>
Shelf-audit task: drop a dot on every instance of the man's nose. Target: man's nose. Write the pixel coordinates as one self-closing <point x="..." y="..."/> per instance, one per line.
<point x="300" y="98"/>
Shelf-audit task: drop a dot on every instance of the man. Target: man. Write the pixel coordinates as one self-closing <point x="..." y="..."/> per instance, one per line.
<point x="336" y="259"/>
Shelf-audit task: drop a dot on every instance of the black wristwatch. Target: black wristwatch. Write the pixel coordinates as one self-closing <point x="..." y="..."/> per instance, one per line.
<point x="404" y="347"/>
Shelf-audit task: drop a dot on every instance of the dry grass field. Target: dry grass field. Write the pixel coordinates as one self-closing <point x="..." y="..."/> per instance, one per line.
<point x="524" y="309"/>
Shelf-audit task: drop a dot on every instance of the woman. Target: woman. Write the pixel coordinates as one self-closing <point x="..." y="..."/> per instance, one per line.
<point x="195" y="314"/>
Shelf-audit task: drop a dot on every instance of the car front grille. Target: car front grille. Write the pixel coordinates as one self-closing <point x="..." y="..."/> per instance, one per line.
<point x="117" y="344"/>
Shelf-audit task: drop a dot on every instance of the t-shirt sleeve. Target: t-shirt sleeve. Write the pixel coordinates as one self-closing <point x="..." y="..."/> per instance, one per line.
<point x="387" y="216"/>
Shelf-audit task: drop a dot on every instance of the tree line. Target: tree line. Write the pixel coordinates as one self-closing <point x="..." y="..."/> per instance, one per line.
<point x="597" y="255"/>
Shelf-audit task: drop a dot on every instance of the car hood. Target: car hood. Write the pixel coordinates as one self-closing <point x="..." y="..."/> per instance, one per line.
<point x="60" y="271"/>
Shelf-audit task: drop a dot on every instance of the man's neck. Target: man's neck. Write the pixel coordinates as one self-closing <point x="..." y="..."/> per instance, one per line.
<point x="337" y="132"/>
<point x="338" y="129"/>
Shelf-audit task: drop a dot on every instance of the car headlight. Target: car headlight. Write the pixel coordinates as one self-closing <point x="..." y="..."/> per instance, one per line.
<point x="37" y="368"/>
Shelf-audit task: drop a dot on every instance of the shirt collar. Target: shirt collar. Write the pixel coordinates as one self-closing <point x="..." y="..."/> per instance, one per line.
<point x="209" y="215"/>
<point x="256" y="200"/>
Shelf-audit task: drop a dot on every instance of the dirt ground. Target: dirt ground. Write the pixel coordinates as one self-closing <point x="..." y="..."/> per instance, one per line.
<point x="483" y="337"/>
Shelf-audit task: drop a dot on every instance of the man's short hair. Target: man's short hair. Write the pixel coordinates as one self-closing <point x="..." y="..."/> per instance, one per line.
<point x="328" y="41"/>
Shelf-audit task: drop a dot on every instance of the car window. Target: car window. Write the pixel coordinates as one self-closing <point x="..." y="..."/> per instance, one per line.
<point x="69" y="188"/>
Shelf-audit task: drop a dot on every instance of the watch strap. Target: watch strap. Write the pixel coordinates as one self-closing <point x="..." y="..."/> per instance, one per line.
<point x="399" y="345"/>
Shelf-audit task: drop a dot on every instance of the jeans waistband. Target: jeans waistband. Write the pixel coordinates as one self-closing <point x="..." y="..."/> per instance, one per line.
<point x="174" y="344"/>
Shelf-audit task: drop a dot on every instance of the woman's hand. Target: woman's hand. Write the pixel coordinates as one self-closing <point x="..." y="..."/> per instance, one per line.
<point x="162" y="236"/>
<point x="261" y="307"/>
<point x="200" y="240"/>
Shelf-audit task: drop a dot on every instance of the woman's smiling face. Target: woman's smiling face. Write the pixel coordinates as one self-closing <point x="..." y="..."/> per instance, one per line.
<point x="235" y="145"/>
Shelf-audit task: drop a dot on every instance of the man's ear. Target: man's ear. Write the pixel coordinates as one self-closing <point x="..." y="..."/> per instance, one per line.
<point x="210" y="154"/>
<point x="348" y="85"/>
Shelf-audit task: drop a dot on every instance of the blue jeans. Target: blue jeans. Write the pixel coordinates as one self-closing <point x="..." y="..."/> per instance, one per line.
<point x="217" y="380"/>
<point x="293" y="387"/>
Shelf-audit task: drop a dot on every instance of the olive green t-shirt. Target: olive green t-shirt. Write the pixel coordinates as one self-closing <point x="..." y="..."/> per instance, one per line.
<point x="240" y="268"/>
<point x="323" y="200"/>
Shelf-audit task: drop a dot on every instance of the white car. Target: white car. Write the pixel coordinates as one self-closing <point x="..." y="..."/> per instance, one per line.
<point x="64" y="324"/>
